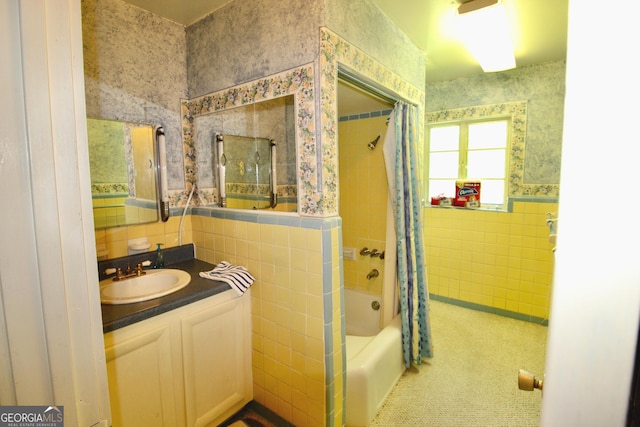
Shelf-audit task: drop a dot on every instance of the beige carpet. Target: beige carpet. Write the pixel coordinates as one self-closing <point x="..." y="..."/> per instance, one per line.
<point x="472" y="378"/>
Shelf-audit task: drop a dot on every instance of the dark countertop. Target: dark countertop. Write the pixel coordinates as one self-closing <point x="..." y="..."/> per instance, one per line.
<point x="115" y="316"/>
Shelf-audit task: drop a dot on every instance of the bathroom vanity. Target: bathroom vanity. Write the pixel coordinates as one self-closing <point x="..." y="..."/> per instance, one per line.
<point x="180" y="360"/>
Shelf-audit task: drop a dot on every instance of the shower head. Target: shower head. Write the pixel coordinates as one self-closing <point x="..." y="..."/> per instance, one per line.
<point x="372" y="144"/>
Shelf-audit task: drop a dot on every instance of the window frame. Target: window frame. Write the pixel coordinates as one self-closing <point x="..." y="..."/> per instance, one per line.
<point x="463" y="155"/>
<point x="516" y="114"/>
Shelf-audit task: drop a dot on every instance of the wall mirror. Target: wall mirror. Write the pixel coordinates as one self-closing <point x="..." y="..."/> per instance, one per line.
<point x="124" y="166"/>
<point x="249" y="166"/>
<point x="247" y="155"/>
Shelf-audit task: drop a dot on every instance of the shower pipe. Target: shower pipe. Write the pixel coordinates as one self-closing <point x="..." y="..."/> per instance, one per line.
<point x="186" y="206"/>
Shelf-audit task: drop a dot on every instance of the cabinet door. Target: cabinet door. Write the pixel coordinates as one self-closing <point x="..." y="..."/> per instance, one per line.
<point x="217" y="360"/>
<point x="141" y="373"/>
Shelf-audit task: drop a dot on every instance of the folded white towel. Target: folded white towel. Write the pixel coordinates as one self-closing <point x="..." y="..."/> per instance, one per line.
<point x="235" y="276"/>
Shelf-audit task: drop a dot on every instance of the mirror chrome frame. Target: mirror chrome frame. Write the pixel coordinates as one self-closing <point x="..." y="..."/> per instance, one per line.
<point x="161" y="174"/>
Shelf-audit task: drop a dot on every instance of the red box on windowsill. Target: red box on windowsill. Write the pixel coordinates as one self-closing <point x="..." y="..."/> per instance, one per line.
<point x="467" y="194"/>
<point x="441" y="200"/>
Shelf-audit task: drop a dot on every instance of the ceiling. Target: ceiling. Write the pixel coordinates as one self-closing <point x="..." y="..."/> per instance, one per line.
<point x="539" y="31"/>
<point x="184" y="12"/>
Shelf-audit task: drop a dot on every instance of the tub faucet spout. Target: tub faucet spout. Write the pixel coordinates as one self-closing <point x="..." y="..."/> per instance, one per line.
<point x="373" y="273"/>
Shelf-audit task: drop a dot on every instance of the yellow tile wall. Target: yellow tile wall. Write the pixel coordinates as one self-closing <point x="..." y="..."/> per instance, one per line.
<point x="116" y="239"/>
<point x="494" y="259"/>
<point x="238" y="203"/>
<point x="288" y="305"/>
<point x="287" y="310"/>
<point x="108" y="211"/>
<point x="363" y="199"/>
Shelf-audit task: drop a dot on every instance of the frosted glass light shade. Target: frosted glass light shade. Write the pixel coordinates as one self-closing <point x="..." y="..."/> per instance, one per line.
<point x="485" y="34"/>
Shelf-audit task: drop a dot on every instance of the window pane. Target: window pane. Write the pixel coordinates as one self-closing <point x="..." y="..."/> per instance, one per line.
<point x="443" y="165"/>
<point x="445" y="138"/>
<point x="486" y="164"/>
<point x="488" y="135"/>
<point x="492" y="192"/>
<point x="444" y="186"/>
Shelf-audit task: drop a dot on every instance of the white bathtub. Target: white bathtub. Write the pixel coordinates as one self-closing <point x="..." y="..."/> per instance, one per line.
<point x="374" y="361"/>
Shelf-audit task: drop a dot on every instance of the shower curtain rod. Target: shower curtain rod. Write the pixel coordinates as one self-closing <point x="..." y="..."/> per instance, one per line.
<point x="371" y="90"/>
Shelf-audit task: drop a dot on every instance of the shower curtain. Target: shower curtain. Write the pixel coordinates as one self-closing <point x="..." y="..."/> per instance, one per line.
<point x="402" y="164"/>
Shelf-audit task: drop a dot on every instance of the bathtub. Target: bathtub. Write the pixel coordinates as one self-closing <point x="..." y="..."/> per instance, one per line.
<point x="374" y="358"/>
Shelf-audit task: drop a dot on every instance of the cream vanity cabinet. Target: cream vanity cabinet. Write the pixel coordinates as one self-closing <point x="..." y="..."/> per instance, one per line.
<point x="188" y="367"/>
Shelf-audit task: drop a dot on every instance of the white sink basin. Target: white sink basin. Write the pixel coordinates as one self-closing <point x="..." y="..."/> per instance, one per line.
<point x="153" y="284"/>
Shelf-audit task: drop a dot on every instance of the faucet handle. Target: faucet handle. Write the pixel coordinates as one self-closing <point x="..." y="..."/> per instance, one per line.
<point x="365" y="251"/>
<point x="375" y="253"/>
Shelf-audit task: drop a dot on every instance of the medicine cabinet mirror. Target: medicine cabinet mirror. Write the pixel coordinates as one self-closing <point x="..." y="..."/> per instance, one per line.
<point x="247" y="155"/>
<point x="124" y="172"/>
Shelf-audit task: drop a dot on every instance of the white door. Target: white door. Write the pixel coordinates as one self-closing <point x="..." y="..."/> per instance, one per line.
<point x="51" y="345"/>
<point x="593" y="325"/>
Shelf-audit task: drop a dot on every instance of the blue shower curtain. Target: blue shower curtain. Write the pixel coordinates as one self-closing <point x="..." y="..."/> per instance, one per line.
<point x="401" y="158"/>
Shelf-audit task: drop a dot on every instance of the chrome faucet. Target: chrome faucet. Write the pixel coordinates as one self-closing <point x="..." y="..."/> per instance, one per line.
<point x="365" y="251"/>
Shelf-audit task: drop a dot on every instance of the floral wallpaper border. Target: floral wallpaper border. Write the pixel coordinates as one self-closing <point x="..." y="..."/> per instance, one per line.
<point x="517" y="111"/>
<point x="283" y="191"/>
<point x="119" y="188"/>
<point x="299" y="82"/>
<point x="318" y="163"/>
<point x="335" y="51"/>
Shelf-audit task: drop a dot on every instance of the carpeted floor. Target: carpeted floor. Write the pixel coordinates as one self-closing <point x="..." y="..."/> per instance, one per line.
<point x="472" y="378"/>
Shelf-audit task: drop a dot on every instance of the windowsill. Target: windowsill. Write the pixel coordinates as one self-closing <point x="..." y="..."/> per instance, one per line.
<point x="507" y="208"/>
<point x="486" y="208"/>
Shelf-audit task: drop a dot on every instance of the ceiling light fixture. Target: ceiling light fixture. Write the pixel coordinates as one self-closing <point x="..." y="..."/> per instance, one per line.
<point x="485" y="32"/>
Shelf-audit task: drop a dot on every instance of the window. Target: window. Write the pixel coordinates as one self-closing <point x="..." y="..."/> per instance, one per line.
<point x="470" y="150"/>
